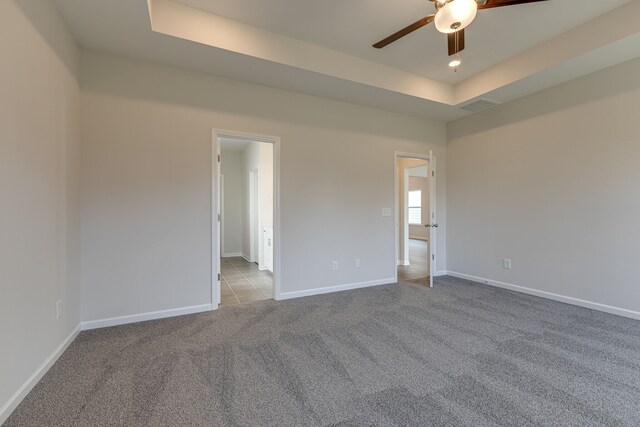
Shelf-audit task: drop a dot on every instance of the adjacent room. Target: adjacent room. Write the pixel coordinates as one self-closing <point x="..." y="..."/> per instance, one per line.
<point x="330" y="213"/>
<point x="246" y="217"/>
<point x="415" y="220"/>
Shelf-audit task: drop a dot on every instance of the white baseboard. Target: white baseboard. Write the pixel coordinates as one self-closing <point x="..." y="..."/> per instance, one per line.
<point x="338" y="288"/>
<point x="440" y="273"/>
<point x="405" y="263"/>
<point x="246" y="257"/>
<point x="549" y="295"/>
<point x="133" y="318"/>
<point x="22" y="392"/>
<point x="232" y="254"/>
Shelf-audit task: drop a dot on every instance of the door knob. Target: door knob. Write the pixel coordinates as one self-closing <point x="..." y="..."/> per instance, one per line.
<point x="435" y="225"/>
<point x="427" y="225"/>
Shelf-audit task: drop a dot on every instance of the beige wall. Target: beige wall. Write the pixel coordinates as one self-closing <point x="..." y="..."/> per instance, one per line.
<point x="257" y="156"/>
<point x="251" y="163"/>
<point x="146" y="183"/>
<point x="39" y="187"/>
<point x="266" y="184"/>
<point x="265" y="175"/>
<point x="551" y="181"/>
<point x="232" y="169"/>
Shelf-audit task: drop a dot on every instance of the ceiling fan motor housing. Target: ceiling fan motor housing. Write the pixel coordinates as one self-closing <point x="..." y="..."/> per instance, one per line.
<point x="451" y="18"/>
<point x="455" y="15"/>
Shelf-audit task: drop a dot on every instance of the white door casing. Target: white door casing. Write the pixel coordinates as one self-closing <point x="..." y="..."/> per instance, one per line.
<point x="433" y="218"/>
<point x="216" y="203"/>
<point x="216" y="134"/>
<point x="430" y="221"/>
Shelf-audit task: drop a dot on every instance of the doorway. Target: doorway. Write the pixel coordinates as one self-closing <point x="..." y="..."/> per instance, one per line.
<point x="245" y="220"/>
<point x="415" y="225"/>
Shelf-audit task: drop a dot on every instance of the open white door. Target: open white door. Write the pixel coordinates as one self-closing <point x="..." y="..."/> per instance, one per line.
<point x="433" y="218"/>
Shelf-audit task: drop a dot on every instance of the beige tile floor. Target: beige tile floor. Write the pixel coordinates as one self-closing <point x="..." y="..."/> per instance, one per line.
<point x="416" y="272"/>
<point x="243" y="282"/>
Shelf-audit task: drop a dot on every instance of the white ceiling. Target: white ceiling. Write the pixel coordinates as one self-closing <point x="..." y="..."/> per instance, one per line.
<point x="353" y="26"/>
<point x="323" y="48"/>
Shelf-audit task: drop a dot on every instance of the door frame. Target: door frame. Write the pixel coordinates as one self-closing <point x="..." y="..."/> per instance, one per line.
<point x="431" y="159"/>
<point x="222" y="214"/>
<point x="216" y="134"/>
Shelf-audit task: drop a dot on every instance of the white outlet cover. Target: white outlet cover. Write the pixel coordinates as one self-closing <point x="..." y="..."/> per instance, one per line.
<point x="386" y="211"/>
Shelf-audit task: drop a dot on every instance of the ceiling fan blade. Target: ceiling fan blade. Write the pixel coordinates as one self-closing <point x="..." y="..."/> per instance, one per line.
<point x="403" y="32"/>
<point x="455" y="46"/>
<point x="489" y="4"/>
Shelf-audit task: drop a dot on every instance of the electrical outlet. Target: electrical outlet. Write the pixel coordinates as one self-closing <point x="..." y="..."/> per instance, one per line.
<point x="335" y="265"/>
<point x="58" y="309"/>
<point x="506" y="263"/>
<point x="386" y="211"/>
<point x="357" y="263"/>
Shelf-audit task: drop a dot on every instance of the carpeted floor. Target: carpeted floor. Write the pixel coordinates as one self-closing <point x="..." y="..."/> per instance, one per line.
<point x="458" y="354"/>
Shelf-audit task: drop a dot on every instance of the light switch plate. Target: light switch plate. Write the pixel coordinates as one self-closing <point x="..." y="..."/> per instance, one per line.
<point x="386" y="211"/>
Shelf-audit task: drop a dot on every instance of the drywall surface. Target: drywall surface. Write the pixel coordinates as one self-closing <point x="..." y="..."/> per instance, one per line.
<point x="39" y="183"/>
<point x="250" y="166"/>
<point x="551" y="182"/>
<point x="231" y="168"/>
<point x="147" y="183"/>
<point x="257" y="158"/>
<point x="266" y="184"/>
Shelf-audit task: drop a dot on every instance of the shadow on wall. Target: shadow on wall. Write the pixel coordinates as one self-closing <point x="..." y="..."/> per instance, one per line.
<point x="608" y="83"/>
<point x="104" y="74"/>
<point x="36" y="12"/>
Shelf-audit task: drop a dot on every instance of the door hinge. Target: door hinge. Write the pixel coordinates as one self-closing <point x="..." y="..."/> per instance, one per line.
<point x="433" y="173"/>
<point x="218" y="277"/>
<point x="433" y="257"/>
<point x="218" y="217"/>
<point x="218" y="158"/>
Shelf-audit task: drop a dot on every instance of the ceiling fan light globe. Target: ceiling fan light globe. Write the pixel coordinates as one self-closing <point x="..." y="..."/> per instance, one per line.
<point x="455" y="62"/>
<point x="456" y="15"/>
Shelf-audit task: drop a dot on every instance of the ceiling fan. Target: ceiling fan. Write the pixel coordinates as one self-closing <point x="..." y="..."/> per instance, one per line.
<point x="451" y="18"/>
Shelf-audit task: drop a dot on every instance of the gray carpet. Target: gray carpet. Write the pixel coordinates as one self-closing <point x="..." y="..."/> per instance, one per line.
<point x="459" y="354"/>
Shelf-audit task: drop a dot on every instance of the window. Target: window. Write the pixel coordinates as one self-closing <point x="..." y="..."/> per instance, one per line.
<point x="415" y="207"/>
